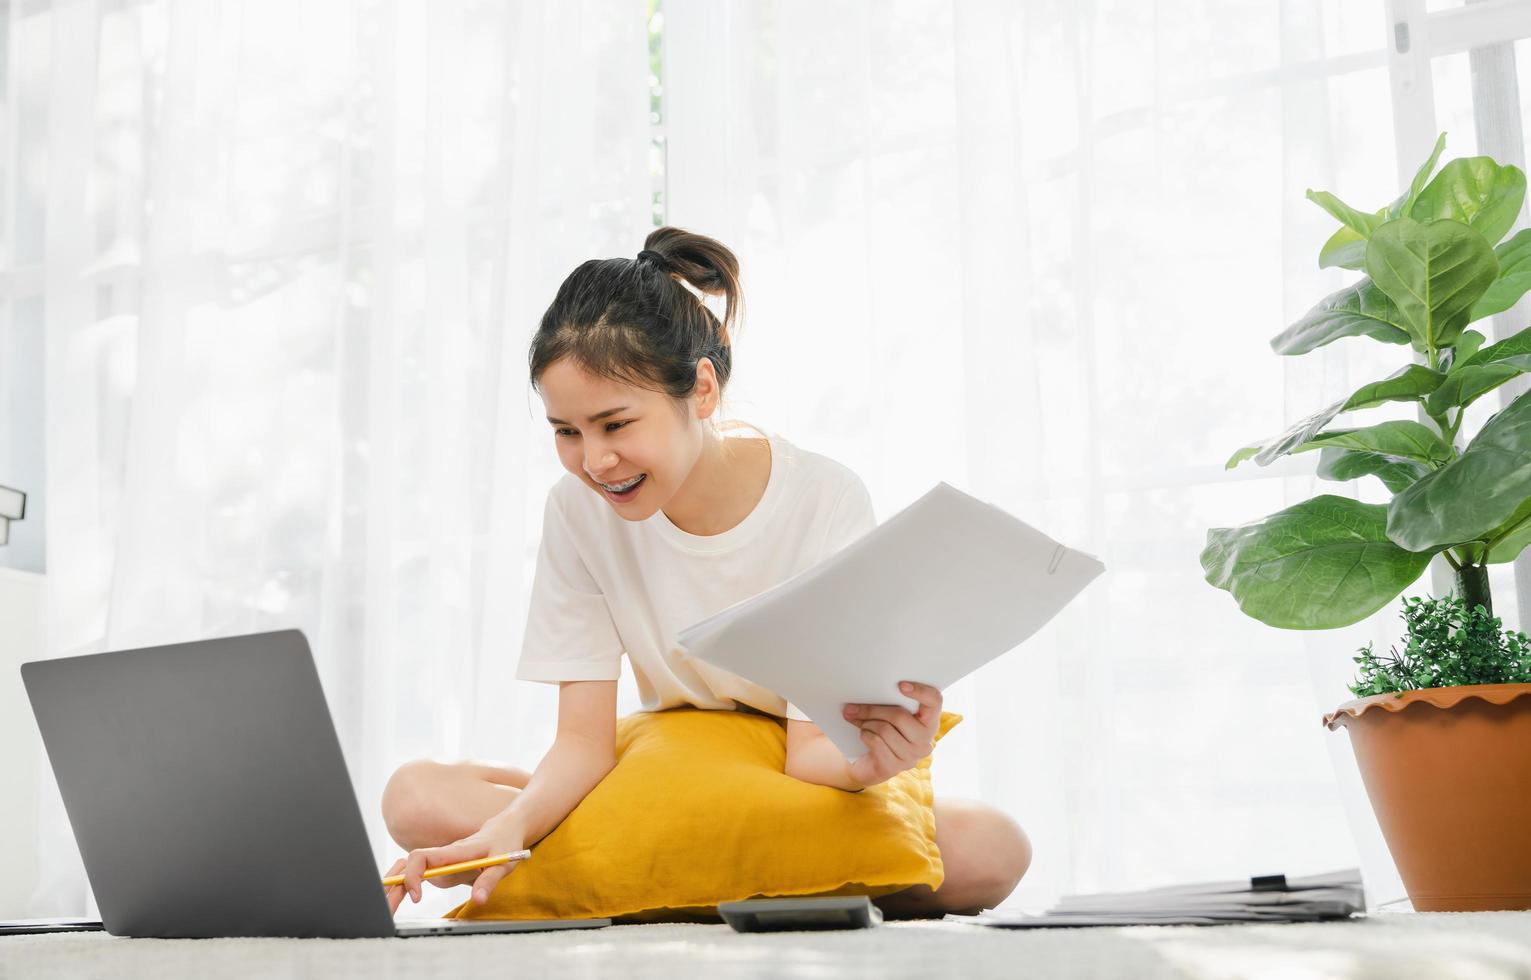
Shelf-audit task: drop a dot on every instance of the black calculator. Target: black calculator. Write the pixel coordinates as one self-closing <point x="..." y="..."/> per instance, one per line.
<point x="792" y="914"/>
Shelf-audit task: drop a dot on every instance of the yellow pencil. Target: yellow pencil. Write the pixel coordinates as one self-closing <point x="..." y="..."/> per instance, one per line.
<point x="452" y="869"/>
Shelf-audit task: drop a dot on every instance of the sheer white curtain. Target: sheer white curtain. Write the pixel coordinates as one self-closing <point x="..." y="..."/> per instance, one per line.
<point x="293" y="256"/>
<point x="1036" y="249"/>
<point x="288" y="256"/>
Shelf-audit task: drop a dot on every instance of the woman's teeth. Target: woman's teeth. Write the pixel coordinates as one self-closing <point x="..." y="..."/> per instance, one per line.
<point x="622" y="487"/>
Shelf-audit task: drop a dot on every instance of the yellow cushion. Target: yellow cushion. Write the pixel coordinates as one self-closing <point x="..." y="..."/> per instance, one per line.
<point x="698" y="811"/>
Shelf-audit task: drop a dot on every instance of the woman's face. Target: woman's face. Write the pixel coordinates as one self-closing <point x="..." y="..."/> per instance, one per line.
<point x="633" y="446"/>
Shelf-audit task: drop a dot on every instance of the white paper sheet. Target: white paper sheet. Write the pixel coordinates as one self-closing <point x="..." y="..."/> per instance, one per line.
<point x="1335" y="894"/>
<point x="933" y="593"/>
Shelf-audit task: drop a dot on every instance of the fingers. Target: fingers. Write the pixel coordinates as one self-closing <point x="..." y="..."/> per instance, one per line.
<point x="928" y="714"/>
<point x="394" y="893"/>
<point x="884" y="759"/>
<point x="930" y="700"/>
<point x="416" y="863"/>
<point x="904" y="750"/>
<point x="452" y="881"/>
<point x="909" y="730"/>
<point x="487" y="879"/>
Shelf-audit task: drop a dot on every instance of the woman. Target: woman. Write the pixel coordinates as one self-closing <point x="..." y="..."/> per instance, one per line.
<point x="665" y="518"/>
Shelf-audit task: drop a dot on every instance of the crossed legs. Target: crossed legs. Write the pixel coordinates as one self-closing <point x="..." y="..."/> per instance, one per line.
<point x="428" y="804"/>
<point x="984" y="851"/>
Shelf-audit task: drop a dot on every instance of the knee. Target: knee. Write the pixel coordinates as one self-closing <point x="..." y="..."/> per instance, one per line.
<point x="1007" y="856"/>
<point x="408" y="810"/>
<point x="1012" y="853"/>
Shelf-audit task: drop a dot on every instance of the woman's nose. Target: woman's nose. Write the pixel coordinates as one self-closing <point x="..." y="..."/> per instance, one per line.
<point x="600" y="462"/>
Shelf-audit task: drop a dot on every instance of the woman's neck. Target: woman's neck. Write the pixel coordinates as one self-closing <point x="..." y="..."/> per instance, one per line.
<point x="724" y="486"/>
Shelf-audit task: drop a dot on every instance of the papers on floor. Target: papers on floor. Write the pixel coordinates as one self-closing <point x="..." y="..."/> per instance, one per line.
<point x="1274" y="898"/>
<point x="931" y="594"/>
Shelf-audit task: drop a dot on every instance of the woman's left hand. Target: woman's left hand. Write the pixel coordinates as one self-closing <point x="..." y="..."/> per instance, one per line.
<point x="895" y="739"/>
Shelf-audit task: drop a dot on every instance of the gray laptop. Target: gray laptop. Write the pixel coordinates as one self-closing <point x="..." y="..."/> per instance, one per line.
<point x="208" y="794"/>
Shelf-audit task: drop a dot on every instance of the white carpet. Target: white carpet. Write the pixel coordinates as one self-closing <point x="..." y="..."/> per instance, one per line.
<point x="1397" y="946"/>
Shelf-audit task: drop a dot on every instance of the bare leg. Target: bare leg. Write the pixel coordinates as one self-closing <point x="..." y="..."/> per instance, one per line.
<point x="984" y="853"/>
<point x="428" y="803"/>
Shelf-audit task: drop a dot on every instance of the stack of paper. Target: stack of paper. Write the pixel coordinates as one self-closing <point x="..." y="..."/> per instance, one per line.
<point x="930" y="595"/>
<point x="1273" y="898"/>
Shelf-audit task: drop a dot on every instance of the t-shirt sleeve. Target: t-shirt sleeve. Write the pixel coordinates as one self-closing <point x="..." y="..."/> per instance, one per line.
<point x="851" y="518"/>
<point x="570" y="635"/>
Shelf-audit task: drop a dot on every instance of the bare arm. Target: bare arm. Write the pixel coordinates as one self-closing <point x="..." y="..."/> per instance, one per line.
<point x="583" y="752"/>
<point x="813" y="758"/>
<point x="896" y="740"/>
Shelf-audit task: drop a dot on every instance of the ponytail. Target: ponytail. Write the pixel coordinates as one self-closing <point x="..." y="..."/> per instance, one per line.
<point x="702" y="262"/>
<point x="638" y="320"/>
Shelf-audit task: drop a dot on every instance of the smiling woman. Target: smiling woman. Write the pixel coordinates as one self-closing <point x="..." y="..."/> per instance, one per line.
<point x="625" y="345"/>
<point x="665" y="518"/>
<point x="643" y="454"/>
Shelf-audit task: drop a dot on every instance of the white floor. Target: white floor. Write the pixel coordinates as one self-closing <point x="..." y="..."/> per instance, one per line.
<point x="1396" y="946"/>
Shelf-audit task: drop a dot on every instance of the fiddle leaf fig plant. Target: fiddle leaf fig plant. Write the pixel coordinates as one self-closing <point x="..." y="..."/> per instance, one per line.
<point x="1434" y="264"/>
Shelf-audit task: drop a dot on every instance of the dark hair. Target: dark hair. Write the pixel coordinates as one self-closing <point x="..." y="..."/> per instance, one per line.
<point x="629" y="320"/>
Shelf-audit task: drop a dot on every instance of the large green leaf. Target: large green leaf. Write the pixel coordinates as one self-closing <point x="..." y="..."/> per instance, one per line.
<point x="1467" y="345"/>
<point x="1406" y="384"/>
<point x="1344" y="465"/>
<point x="1358" y="221"/>
<point x="1248" y="452"/>
<point x="1511" y="538"/>
<point x="1360" y="309"/>
<point x="1514" y="349"/>
<point x="1345" y="249"/>
<point x="1406" y="200"/>
<point x="1409" y="383"/>
<point x="1433" y="272"/>
<point x="1466" y="386"/>
<point x="1473" y="494"/>
<point x="1399" y="438"/>
<point x="1475" y="191"/>
<point x="1321" y="564"/>
<point x="1514" y="277"/>
<point x="1266" y="451"/>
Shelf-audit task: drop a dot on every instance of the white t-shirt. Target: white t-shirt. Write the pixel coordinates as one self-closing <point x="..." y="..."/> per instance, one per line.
<point x="605" y="586"/>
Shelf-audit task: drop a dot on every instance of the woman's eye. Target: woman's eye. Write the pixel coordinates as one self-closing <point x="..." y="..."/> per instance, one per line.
<point x="610" y="427"/>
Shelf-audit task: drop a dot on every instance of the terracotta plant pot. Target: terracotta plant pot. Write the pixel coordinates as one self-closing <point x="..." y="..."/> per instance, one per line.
<point x="1448" y="771"/>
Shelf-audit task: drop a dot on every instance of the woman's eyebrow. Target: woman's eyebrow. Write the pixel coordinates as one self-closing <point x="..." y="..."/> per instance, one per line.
<point x="594" y="418"/>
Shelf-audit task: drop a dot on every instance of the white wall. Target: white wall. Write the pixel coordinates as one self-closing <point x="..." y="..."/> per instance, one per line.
<point x="21" y="639"/>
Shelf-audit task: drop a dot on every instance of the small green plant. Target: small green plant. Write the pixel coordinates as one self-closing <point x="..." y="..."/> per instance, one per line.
<point x="1445" y="645"/>
<point x="1434" y="263"/>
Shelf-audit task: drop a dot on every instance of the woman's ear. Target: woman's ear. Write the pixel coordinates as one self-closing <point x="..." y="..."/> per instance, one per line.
<point x="706" y="395"/>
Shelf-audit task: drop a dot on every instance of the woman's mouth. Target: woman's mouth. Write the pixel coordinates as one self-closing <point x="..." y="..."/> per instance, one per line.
<point x="624" y="491"/>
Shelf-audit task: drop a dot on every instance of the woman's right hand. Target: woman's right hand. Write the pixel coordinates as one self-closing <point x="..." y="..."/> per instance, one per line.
<point x="494" y="837"/>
